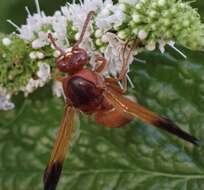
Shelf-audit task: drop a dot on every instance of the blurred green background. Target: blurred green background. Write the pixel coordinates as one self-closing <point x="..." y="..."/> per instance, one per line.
<point x="137" y="157"/>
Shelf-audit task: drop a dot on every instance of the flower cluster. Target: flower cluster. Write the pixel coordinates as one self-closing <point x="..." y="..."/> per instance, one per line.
<point x="162" y="21"/>
<point x="28" y="60"/>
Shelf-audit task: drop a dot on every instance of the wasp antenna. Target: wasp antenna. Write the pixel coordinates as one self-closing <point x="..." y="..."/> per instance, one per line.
<point x="50" y="36"/>
<point x="88" y="18"/>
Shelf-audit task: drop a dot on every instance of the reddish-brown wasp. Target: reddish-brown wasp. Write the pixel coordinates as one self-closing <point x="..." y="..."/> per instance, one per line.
<point x="88" y="91"/>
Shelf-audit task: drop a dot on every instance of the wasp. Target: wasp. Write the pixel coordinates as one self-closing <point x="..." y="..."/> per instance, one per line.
<point x="88" y="91"/>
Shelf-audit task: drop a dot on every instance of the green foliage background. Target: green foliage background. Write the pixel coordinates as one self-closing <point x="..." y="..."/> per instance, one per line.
<point x="137" y="157"/>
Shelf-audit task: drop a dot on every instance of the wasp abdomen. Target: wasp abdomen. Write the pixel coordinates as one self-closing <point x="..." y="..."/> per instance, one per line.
<point x="84" y="94"/>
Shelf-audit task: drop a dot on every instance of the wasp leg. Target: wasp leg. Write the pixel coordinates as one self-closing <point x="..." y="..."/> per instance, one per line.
<point x="102" y="63"/>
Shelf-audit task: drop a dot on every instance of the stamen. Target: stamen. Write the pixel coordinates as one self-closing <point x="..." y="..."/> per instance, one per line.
<point x="80" y="1"/>
<point x="13" y="24"/>
<point x="38" y="7"/>
<point x="171" y="44"/>
<point x="121" y="86"/>
<point x="68" y="4"/>
<point x="27" y="10"/>
<point x="140" y="60"/>
<point x="130" y="81"/>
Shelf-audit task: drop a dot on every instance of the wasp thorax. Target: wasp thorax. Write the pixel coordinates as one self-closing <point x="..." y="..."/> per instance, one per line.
<point x="72" y="61"/>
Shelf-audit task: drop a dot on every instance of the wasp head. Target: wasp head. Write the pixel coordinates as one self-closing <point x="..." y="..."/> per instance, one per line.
<point x="72" y="61"/>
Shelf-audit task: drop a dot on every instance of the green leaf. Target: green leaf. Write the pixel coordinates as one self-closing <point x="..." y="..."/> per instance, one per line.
<point x="137" y="157"/>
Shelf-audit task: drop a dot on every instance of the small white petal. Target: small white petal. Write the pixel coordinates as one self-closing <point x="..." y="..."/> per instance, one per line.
<point x="151" y="46"/>
<point x="6" y="41"/>
<point x="56" y="53"/>
<point x="142" y="35"/>
<point x="104" y="38"/>
<point x="40" y="55"/>
<point x="136" y="18"/>
<point x="5" y="102"/>
<point x="98" y="33"/>
<point x="36" y="44"/>
<point x="32" y="55"/>
<point x="77" y="35"/>
<point x="57" y="89"/>
<point x="44" y="71"/>
<point x="161" y="46"/>
<point x="161" y="2"/>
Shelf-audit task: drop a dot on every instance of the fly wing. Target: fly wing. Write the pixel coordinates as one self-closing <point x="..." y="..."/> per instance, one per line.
<point x="54" y="167"/>
<point x="143" y="114"/>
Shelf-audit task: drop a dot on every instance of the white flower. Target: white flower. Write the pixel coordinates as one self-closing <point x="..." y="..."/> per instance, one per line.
<point x="32" y="85"/>
<point x="36" y="55"/>
<point x="162" y="2"/>
<point x="142" y="35"/>
<point x="104" y="38"/>
<point x="5" y="103"/>
<point x="109" y="16"/>
<point x="162" y="44"/>
<point x="151" y="46"/>
<point x="32" y="55"/>
<point x="114" y="54"/>
<point x="43" y="74"/>
<point x="38" y="25"/>
<point x="59" y="25"/>
<point x="57" y="89"/>
<point x="56" y="53"/>
<point x="136" y="18"/>
<point x="41" y="41"/>
<point x="77" y="13"/>
<point x="40" y="55"/>
<point x="6" y="41"/>
<point x="44" y="71"/>
<point x="98" y="33"/>
<point x="35" y="24"/>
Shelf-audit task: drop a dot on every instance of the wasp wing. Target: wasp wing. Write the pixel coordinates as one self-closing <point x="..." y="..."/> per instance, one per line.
<point x="54" y="167"/>
<point x="142" y="113"/>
